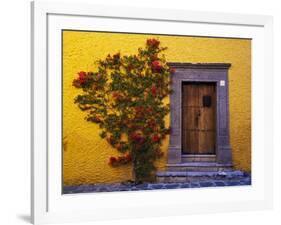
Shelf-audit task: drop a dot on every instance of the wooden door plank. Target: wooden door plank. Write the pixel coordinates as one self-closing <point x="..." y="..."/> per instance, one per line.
<point x="190" y="104"/>
<point x="207" y="121"/>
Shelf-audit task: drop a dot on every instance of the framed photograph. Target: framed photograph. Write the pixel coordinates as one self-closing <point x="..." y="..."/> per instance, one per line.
<point x="138" y="112"/>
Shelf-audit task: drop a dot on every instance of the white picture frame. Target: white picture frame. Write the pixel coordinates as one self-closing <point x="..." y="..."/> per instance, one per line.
<point x="48" y="205"/>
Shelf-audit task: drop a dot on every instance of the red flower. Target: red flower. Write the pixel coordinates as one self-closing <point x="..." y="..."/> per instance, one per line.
<point x="153" y="90"/>
<point x="154" y="43"/>
<point x="82" y="74"/>
<point x="155" y="138"/>
<point x="115" y="161"/>
<point x="82" y="77"/>
<point x="156" y="66"/>
<point x="112" y="160"/>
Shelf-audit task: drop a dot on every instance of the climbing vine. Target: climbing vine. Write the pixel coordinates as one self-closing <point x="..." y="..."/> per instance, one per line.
<point x="125" y="97"/>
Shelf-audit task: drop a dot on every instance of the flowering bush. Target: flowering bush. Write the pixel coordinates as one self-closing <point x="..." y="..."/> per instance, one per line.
<point x="125" y="97"/>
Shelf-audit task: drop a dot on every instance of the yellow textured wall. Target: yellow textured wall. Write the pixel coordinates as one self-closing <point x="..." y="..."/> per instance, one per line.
<point x="86" y="154"/>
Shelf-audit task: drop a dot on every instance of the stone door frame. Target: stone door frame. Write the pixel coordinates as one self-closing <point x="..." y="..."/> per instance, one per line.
<point x="202" y="72"/>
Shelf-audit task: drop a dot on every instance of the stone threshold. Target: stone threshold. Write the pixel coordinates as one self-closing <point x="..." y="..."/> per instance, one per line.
<point x="198" y="158"/>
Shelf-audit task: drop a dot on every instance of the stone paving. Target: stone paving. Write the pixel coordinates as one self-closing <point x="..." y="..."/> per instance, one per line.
<point x="217" y="181"/>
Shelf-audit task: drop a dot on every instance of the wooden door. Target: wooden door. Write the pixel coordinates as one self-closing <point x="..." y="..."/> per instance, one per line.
<point x="198" y="118"/>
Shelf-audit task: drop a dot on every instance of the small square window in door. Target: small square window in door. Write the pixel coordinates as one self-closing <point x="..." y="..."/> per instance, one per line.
<point x="207" y="101"/>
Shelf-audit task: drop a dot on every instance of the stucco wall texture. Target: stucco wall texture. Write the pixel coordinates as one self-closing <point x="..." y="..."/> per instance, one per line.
<point x="85" y="154"/>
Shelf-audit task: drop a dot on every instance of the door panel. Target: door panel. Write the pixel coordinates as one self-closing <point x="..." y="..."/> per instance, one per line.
<point x="198" y="118"/>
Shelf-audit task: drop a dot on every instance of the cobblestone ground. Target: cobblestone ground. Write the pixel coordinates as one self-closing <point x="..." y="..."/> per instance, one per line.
<point x="218" y="181"/>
